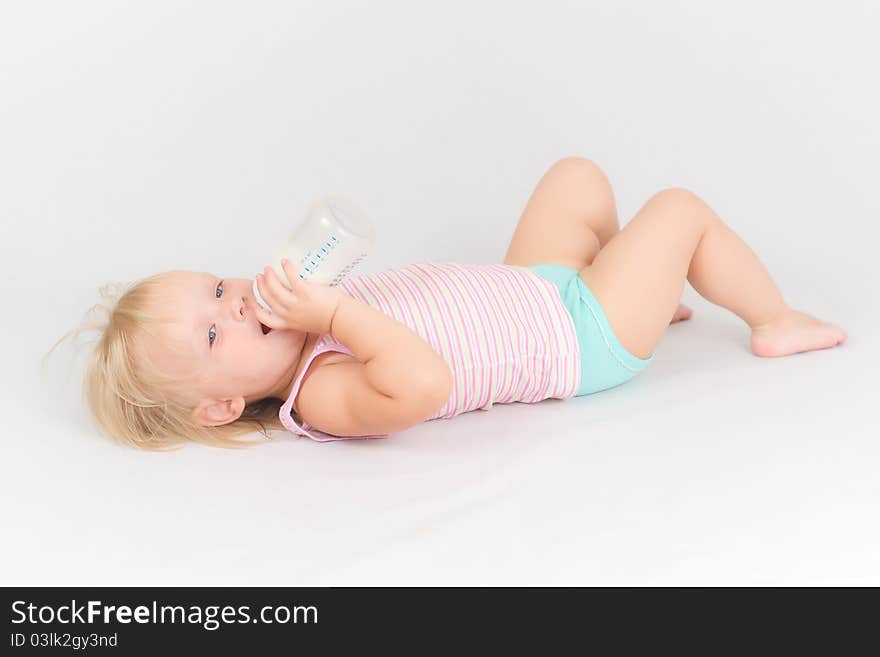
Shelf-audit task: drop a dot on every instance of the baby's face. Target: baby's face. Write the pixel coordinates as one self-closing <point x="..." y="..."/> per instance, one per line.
<point x="223" y="345"/>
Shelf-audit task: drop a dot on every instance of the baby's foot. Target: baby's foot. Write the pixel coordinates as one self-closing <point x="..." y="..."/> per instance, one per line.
<point x="681" y="313"/>
<point x="793" y="333"/>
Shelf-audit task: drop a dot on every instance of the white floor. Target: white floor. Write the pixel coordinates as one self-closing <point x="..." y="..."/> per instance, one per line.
<point x="712" y="467"/>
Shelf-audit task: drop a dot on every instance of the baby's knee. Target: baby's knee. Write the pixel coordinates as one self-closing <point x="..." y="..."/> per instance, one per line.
<point x="678" y="196"/>
<point x="680" y="206"/>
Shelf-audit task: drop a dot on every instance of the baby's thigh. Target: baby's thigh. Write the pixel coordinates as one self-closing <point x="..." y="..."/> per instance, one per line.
<point x="639" y="275"/>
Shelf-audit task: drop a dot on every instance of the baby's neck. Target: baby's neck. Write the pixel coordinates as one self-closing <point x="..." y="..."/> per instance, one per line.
<point x="287" y="382"/>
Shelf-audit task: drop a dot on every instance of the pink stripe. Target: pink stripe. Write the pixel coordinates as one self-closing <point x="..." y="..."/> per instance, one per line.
<point x="412" y="281"/>
<point x="544" y="384"/>
<point x="518" y="340"/>
<point x="385" y="305"/>
<point x="445" y="318"/>
<point x="561" y="361"/>
<point x="571" y="362"/>
<point x="483" y="373"/>
<point x="410" y="302"/>
<point x="443" y="279"/>
<point x="403" y="303"/>
<point x="346" y="284"/>
<point x="503" y="361"/>
<point x="475" y="370"/>
<point x="514" y="366"/>
<point x="361" y="293"/>
<point x="488" y="306"/>
<point x="349" y="286"/>
<point x="527" y="391"/>
<point x="513" y="345"/>
<point x="502" y="341"/>
<point x="415" y="299"/>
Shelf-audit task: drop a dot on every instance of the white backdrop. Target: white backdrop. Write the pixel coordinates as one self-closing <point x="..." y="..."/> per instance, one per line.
<point x="191" y="135"/>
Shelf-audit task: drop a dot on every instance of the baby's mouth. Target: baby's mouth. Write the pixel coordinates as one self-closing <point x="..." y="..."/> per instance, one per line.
<point x="265" y="329"/>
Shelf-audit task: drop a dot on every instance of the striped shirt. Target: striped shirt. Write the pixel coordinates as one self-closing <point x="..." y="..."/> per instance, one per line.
<point x="502" y="329"/>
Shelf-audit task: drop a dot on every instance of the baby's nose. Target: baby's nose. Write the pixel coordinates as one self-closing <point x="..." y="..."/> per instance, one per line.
<point x="239" y="309"/>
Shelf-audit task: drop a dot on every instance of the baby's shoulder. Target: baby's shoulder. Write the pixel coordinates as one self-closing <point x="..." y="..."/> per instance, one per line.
<point x="319" y="362"/>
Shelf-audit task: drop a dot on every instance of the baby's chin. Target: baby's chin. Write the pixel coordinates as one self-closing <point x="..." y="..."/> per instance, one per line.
<point x="287" y="334"/>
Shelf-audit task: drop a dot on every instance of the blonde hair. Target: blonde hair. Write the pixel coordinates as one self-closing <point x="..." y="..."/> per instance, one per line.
<point x="134" y="402"/>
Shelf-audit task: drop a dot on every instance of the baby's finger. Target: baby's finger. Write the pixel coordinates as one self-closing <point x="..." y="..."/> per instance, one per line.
<point x="267" y="318"/>
<point x="291" y="272"/>
<point x="277" y="288"/>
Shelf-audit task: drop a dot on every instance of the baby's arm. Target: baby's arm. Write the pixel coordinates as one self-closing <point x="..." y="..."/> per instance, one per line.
<point x="339" y="400"/>
<point x="397" y="361"/>
<point x="399" y="381"/>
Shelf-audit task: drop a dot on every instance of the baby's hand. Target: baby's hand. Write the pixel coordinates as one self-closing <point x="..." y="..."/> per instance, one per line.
<point x="308" y="307"/>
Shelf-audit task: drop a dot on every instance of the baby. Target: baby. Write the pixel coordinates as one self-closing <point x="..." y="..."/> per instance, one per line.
<point x="578" y="306"/>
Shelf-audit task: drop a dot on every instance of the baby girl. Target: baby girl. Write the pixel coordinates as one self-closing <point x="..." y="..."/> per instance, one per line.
<point x="578" y="306"/>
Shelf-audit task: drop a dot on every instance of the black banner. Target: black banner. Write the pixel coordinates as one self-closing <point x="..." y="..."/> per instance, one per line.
<point x="249" y="620"/>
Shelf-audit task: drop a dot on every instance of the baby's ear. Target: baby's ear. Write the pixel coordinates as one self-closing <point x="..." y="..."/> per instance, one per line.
<point x="217" y="412"/>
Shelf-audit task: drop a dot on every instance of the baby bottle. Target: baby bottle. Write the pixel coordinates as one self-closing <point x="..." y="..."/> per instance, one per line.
<point x="332" y="239"/>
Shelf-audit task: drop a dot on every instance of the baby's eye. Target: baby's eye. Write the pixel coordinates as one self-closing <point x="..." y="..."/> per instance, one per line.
<point x="218" y="292"/>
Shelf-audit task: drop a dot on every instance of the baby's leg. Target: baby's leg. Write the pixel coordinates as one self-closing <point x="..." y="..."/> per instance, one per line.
<point x="638" y="278"/>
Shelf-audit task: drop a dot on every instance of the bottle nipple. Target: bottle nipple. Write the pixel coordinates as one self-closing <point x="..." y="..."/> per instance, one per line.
<point x="259" y="299"/>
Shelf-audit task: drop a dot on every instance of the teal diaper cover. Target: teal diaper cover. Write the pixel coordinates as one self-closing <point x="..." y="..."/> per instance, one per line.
<point x="605" y="362"/>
